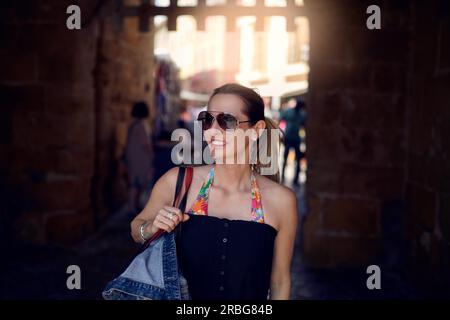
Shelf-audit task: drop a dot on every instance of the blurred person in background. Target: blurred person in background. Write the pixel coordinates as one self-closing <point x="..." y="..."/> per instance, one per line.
<point x="294" y="117"/>
<point x="138" y="156"/>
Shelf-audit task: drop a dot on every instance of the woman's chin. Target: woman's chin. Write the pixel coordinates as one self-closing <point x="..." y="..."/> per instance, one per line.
<point x="219" y="157"/>
<point x="217" y="151"/>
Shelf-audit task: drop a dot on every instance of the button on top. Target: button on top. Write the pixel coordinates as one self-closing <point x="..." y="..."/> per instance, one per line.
<point x="224" y="240"/>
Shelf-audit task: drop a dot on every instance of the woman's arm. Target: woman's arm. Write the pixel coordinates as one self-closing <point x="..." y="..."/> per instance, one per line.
<point x="162" y="195"/>
<point x="280" y="287"/>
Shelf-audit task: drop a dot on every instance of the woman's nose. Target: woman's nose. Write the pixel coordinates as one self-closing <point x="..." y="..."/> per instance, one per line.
<point x="215" y="125"/>
<point x="215" y="133"/>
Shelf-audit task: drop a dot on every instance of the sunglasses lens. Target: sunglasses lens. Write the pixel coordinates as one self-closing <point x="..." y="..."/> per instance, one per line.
<point x="206" y="118"/>
<point x="226" y="121"/>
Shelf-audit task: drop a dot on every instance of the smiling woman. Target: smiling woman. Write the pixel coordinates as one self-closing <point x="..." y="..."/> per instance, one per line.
<point x="229" y="207"/>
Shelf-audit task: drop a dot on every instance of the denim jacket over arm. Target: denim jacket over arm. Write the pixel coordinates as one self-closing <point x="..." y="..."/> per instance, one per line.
<point x="152" y="275"/>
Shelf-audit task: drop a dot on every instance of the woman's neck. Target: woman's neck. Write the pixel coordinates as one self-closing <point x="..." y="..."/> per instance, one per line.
<point x="232" y="177"/>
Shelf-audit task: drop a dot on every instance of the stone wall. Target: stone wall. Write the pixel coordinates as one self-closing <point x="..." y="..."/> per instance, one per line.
<point x="427" y="189"/>
<point x="377" y="136"/>
<point x="65" y="99"/>
<point x="355" y="130"/>
<point x="124" y="75"/>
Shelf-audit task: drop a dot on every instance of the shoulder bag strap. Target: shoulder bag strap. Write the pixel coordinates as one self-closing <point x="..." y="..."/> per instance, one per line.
<point x="176" y="201"/>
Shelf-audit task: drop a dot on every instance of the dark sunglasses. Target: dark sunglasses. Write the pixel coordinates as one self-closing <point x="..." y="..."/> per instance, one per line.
<point x="226" y="121"/>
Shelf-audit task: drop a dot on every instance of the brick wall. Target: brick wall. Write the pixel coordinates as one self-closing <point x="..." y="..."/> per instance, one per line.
<point x="65" y="98"/>
<point x="355" y="130"/>
<point x="427" y="189"/>
<point x="124" y="75"/>
<point x="377" y="136"/>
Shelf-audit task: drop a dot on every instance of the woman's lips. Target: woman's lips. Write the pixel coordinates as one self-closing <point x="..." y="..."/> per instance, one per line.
<point x="218" y="143"/>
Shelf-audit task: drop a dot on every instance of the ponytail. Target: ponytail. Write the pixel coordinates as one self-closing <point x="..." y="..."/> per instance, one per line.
<point x="258" y="167"/>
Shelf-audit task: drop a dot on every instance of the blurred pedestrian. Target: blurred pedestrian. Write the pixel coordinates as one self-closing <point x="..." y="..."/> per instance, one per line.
<point x="138" y="156"/>
<point x="294" y="118"/>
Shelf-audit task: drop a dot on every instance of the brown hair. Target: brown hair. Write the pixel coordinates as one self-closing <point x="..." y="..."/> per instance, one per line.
<point x="254" y="110"/>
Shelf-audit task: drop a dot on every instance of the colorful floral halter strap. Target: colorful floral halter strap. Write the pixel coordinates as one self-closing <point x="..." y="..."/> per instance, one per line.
<point x="200" y="206"/>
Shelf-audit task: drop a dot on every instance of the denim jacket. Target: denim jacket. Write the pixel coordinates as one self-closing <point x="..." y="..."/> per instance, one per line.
<point x="152" y="275"/>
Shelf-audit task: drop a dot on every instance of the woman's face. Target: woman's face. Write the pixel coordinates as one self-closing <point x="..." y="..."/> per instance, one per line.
<point x="230" y="146"/>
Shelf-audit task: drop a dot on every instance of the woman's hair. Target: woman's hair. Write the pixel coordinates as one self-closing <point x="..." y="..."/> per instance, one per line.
<point x="140" y="110"/>
<point x="254" y="110"/>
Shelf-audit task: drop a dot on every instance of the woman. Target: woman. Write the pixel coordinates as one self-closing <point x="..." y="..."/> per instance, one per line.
<point x="138" y="156"/>
<point x="237" y="239"/>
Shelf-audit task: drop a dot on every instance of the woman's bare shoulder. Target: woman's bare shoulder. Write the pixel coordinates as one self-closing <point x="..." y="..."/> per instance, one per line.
<point x="169" y="179"/>
<point x="278" y="200"/>
<point x="164" y="187"/>
<point x="268" y="185"/>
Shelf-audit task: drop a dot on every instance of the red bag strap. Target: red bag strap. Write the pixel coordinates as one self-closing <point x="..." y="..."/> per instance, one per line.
<point x="187" y="184"/>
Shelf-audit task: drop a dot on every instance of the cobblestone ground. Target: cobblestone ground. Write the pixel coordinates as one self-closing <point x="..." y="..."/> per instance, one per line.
<point x="339" y="283"/>
<point x="40" y="272"/>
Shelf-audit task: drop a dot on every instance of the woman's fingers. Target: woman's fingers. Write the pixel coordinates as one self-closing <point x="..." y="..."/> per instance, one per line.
<point x="175" y="211"/>
<point x="173" y="214"/>
<point x="170" y="222"/>
<point x="164" y="220"/>
<point x="168" y="218"/>
<point x="164" y="224"/>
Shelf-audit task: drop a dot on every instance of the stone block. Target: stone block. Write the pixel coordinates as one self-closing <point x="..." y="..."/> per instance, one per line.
<point x="320" y="251"/>
<point x="325" y="151"/>
<point x="29" y="227"/>
<point x="77" y="161"/>
<point x="316" y="251"/>
<point x="389" y="78"/>
<point x="69" y="99"/>
<point x="7" y="8"/>
<point x="69" y="59"/>
<point x="55" y="11"/>
<point x="355" y="145"/>
<point x="422" y="204"/>
<point x="68" y="228"/>
<point x="8" y="34"/>
<point x="340" y="76"/>
<point x="424" y="170"/>
<point x="350" y="216"/>
<point x="26" y="10"/>
<point x="353" y="251"/>
<point x="388" y="111"/>
<point x="377" y="46"/>
<point x="22" y="98"/>
<point x="376" y="182"/>
<point x="444" y="216"/>
<point x="63" y="193"/>
<point x="53" y="131"/>
<point x="313" y="219"/>
<point x="5" y="128"/>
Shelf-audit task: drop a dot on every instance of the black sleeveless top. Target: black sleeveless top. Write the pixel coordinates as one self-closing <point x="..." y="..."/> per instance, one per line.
<point x="226" y="259"/>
